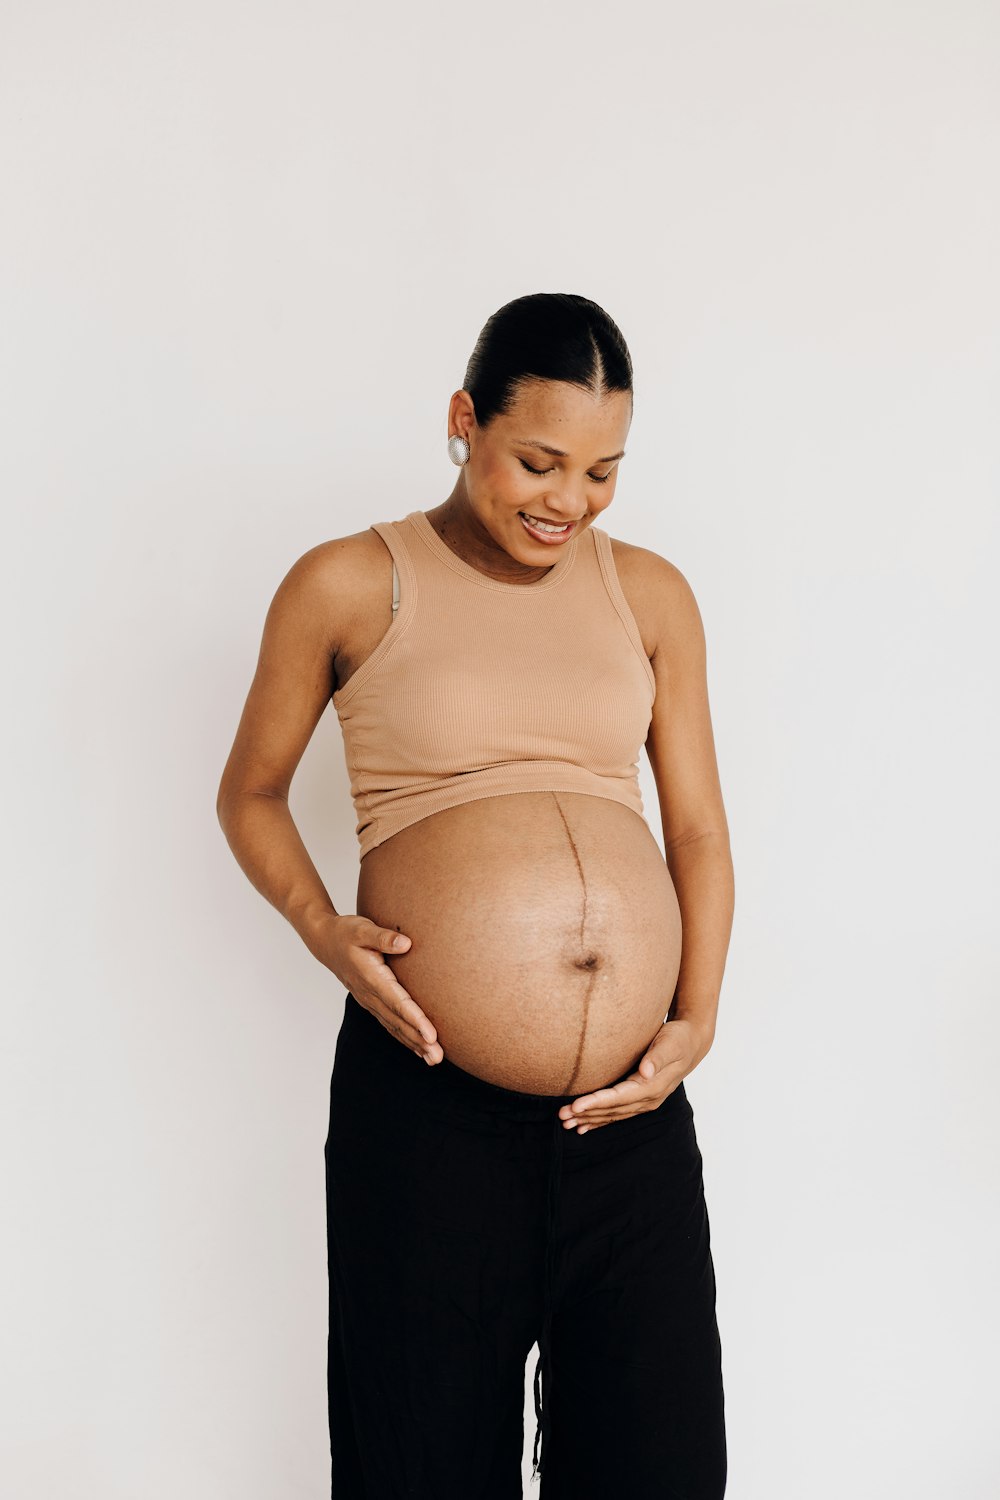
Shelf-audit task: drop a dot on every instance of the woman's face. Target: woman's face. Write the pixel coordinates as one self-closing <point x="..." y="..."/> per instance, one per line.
<point x="554" y="458"/>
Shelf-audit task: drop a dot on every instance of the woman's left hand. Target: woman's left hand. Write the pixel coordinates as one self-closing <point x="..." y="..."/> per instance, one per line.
<point x="675" y="1051"/>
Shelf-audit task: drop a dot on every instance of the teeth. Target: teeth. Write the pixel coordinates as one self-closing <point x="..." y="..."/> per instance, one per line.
<point x="545" y="525"/>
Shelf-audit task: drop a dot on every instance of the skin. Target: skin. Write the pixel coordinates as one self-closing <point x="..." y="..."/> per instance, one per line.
<point x="319" y="605"/>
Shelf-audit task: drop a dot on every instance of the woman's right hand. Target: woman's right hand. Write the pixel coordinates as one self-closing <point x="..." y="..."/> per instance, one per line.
<point x="352" y="947"/>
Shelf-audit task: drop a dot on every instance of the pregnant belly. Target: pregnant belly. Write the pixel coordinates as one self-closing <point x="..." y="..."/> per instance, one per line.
<point x="545" y="930"/>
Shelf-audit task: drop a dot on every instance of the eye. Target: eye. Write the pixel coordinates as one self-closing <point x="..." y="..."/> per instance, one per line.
<point x="597" y="478"/>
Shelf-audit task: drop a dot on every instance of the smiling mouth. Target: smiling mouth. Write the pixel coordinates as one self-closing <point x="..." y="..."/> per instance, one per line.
<point x="540" y="527"/>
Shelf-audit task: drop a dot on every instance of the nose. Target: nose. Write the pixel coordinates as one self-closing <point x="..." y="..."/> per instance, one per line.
<point x="566" y="510"/>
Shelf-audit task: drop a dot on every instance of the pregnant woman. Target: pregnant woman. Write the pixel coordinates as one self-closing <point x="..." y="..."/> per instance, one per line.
<point x="511" y="1155"/>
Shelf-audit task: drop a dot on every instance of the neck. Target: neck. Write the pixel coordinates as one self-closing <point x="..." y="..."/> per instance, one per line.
<point x="460" y="529"/>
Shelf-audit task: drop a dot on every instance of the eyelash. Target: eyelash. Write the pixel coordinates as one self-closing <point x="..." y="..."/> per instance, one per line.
<point x="603" y="479"/>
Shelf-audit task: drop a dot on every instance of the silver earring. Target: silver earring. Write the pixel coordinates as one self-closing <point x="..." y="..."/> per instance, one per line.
<point x="458" y="450"/>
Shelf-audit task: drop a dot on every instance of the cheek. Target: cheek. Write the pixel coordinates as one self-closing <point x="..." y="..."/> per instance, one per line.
<point x="509" y="488"/>
<point x="523" y="491"/>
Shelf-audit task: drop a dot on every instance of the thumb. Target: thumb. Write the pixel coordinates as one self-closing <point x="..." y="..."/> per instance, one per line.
<point x="391" y="941"/>
<point x="650" y="1064"/>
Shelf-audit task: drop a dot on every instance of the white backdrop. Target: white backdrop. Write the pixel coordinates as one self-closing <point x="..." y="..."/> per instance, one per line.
<point x="247" y="249"/>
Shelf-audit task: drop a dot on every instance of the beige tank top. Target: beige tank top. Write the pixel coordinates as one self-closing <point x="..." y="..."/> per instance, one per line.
<point x="481" y="688"/>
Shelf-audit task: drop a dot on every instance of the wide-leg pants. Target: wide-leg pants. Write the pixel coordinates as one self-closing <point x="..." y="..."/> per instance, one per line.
<point x="465" y="1224"/>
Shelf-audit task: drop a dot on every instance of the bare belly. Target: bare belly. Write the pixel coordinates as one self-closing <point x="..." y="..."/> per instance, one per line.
<point x="546" y="935"/>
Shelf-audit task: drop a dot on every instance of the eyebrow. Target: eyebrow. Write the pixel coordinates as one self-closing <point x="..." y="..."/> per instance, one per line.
<point x="558" y="452"/>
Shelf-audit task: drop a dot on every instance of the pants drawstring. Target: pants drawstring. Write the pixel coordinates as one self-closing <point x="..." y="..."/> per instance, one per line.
<point x="543" y="1366"/>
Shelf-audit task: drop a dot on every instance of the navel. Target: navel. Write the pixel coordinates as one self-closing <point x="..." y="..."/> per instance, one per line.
<point x="589" y="961"/>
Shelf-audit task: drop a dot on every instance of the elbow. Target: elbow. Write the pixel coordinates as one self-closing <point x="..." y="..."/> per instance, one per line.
<point x="223" y="801"/>
<point x="230" y="794"/>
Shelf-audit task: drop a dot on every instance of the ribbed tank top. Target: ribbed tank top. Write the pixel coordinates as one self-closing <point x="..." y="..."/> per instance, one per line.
<point x="481" y="688"/>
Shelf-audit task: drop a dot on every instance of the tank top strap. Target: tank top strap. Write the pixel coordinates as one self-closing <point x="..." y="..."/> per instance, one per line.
<point x="404" y="574"/>
<point x="612" y="583"/>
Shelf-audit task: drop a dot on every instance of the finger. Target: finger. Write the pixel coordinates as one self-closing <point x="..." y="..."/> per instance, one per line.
<point x="391" y="940"/>
<point x="431" y="1052"/>
<point x="591" y="1119"/>
<point x="411" y="1015"/>
<point x="390" y="992"/>
<point x="594" y="1121"/>
<point x="409" y="1010"/>
<point x="588" y="1116"/>
<point x="593" y="1114"/>
<point x="389" y="1014"/>
<point x="587" y="1123"/>
<point x="625" y="1093"/>
<point x="393" y="1016"/>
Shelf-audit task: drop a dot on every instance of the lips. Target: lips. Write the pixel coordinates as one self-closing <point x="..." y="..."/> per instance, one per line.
<point x="542" y="520"/>
<point x="550" y="537"/>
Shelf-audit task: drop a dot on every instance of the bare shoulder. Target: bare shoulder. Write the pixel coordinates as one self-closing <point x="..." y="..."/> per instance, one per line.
<point x="658" y="594"/>
<point x="333" y="582"/>
<point x="311" y="620"/>
<point x="645" y="567"/>
<point x="340" y="564"/>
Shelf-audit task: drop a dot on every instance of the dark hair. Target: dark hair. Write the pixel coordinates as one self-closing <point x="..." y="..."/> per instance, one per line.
<point x="545" y="336"/>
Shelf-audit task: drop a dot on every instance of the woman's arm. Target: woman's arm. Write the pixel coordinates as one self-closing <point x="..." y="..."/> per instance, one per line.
<point x="681" y="749"/>
<point x="291" y="687"/>
<point x="290" y="690"/>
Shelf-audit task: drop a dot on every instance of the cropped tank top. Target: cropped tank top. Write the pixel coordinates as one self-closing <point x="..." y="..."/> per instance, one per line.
<point x="482" y="688"/>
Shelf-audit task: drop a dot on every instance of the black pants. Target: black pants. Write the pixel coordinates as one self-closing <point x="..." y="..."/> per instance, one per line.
<point x="464" y="1225"/>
